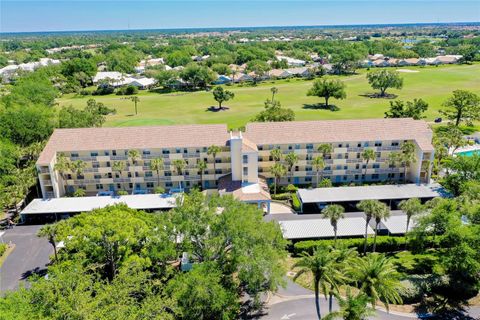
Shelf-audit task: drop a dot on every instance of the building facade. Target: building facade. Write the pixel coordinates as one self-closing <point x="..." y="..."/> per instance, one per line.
<point x="107" y="167"/>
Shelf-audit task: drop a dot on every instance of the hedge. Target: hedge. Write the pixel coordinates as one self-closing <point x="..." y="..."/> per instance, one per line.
<point x="384" y="244"/>
<point x="3" y="248"/>
<point x="281" y="196"/>
<point x="296" y="202"/>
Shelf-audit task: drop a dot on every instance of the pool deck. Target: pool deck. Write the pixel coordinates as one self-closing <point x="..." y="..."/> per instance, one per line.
<point x="475" y="147"/>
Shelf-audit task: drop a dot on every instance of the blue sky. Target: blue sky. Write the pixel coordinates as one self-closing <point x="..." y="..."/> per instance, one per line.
<point x="20" y="16"/>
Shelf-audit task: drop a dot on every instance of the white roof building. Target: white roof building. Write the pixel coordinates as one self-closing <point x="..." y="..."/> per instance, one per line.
<point x="104" y="75"/>
<point x="292" y="61"/>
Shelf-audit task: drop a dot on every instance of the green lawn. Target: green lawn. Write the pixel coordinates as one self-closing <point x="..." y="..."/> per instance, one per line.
<point x="433" y="84"/>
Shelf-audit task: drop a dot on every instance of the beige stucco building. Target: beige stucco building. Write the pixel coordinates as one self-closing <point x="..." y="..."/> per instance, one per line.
<point x="244" y="159"/>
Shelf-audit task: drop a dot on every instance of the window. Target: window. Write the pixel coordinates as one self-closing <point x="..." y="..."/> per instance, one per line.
<point x="245" y="171"/>
<point x="347" y="145"/>
<point x="185" y="150"/>
<point x="357" y="166"/>
<point x="74" y="155"/>
<point x="97" y="176"/>
<point x="344" y="178"/>
<point x="108" y="164"/>
<point x="290" y="147"/>
<point x="346" y="155"/>
<point x="359" y="145"/>
<point x="308" y="168"/>
<point x="218" y="171"/>
<point x="130" y="185"/>
<point x="260" y="148"/>
<point x="165" y="151"/>
<point x="327" y="169"/>
<point x="119" y="186"/>
<point x="69" y="176"/>
<point x="339" y="167"/>
<point x="296" y="168"/>
<point x="340" y="145"/>
<point x="366" y="144"/>
<point x="339" y="156"/>
<point x="178" y="150"/>
<point x="168" y="173"/>
<point x="117" y="175"/>
<point x="309" y="146"/>
<point x="297" y="146"/>
<point x="378" y="143"/>
<point x="308" y="179"/>
<point x="345" y="167"/>
<point x="375" y="176"/>
<point x="146" y="152"/>
<point x="205" y="149"/>
<point x="376" y="166"/>
<point x="107" y="153"/>
<point x="114" y="152"/>
<point x="93" y="154"/>
<point x="99" y="186"/>
<point x="149" y="184"/>
<point x="358" y="155"/>
<point x="197" y="151"/>
<point x="391" y="175"/>
<point x="109" y="175"/>
<point x="168" y="184"/>
<point x="245" y="159"/>
<point x="129" y="174"/>
<point x="356" y="177"/>
<point x="309" y="156"/>
<point x="395" y="144"/>
<point x="218" y="160"/>
<point x="378" y="154"/>
<point x="148" y="173"/>
<point x="95" y="164"/>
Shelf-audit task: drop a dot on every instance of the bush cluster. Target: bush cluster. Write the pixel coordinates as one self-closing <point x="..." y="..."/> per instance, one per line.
<point x="296" y="202"/>
<point x="3" y="248"/>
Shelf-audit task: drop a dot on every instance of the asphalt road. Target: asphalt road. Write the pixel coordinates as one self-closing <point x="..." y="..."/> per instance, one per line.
<point x="31" y="254"/>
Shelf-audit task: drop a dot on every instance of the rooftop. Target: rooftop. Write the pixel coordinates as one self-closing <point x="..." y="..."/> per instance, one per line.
<point x="321" y="228"/>
<point x="87" y="139"/>
<point x="340" y="131"/>
<point x="244" y="192"/>
<point x="85" y="204"/>
<point x="384" y="192"/>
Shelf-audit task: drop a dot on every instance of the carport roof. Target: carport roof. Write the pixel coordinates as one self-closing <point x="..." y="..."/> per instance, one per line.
<point x="321" y="228"/>
<point x="85" y="204"/>
<point x="384" y="192"/>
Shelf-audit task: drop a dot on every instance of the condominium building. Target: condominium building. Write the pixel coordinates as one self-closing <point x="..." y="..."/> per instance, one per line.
<point x="241" y="162"/>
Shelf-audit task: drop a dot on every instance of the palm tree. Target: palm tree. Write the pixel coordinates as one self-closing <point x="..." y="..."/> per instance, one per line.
<point x="291" y="159"/>
<point x="325" y="149"/>
<point x="63" y="165"/>
<point x="278" y="170"/>
<point x="274" y="91"/>
<point x="407" y="157"/>
<point x="133" y="156"/>
<point x="135" y="100"/>
<point x="352" y="307"/>
<point x="375" y="275"/>
<point x="367" y="156"/>
<point x="334" y="212"/>
<point x="49" y="231"/>
<point x="201" y="166"/>
<point x="276" y="155"/>
<point x="179" y="165"/>
<point x="318" y="164"/>
<point x="213" y="151"/>
<point x="157" y="165"/>
<point x="411" y="207"/>
<point x="382" y="211"/>
<point x="368" y="207"/>
<point x="78" y="167"/>
<point x="322" y="265"/>
<point x="119" y="166"/>
<point x="394" y="159"/>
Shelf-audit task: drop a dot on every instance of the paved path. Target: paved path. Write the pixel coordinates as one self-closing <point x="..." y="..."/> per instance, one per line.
<point x="31" y="254"/>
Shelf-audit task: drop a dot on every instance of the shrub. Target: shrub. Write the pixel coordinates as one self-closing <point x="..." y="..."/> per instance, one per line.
<point x="296" y="202"/>
<point x="159" y="190"/>
<point x="128" y="90"/>
<point x="122" y="193"/>
<point x="281" y="196"/>
<point x="291" y="188"/>
<point x="103" y="90"/>
<point x="79" y="193"/>
<point x="3" y="248"/>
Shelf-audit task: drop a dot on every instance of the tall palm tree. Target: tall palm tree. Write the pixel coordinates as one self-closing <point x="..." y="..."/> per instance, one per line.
<point x="367" y="156"/>
<point x="319" y="165"/>
<point x="276" y="155"/>
<point x="291" y="159"/>
<point x="78" y="167"/>
<point x="352" y="307"/>
<point x="62" y="166"/>
<point x="394" y="158"/>
<point x="201" y="167"/>
<point x="375" y="275"/>
<point x="382" y="211"/>
<point x="134" y="156"/>
<point x="179" y="165"/>
<point x="411" y="207"/>
<point x="135" y="100"/>
<point x="49" y="231"/>
<point x="274" y="91"/>
<point x="334" y="212"/>
<point x="368" y="207"/>
<point x="119" y="166"/>
<point x="322" y="265"/>
<point x="278" y="170"/>
<point x="407" y="157"/>
<point x="213" y="151"/>
<point x="325" y="149"/>
<point x="157" y="165"/>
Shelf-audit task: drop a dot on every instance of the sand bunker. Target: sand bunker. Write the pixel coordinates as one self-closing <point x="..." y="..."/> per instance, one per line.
<point x="407" y="70"/>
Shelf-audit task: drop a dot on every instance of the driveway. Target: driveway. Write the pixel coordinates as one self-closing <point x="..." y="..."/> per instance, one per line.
<point x="31" y="254"/>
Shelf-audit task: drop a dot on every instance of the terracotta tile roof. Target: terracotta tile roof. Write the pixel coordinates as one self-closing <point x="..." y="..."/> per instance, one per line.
<point x="86" y="139"/>
<point x="226" y="185"/>
<point x="340" y="131"/>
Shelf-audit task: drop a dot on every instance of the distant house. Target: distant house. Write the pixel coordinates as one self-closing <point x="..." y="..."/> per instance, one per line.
<point x="279" y="73"/>
<point x="412" y="61"/>
<point x="376" y="56"/>
<point x="431" y="61"/>
<point x="113" y="76"/>
<point x="381" y="63"/>
<point x="223" y="79"/>
<point x="449" y="59"/>
<point x="141" y="83"/>
<point x="241" y="77"/>
<point x="200" y="58"/>
<point x="292" y="61"/>
<point x="402" y="63"/>
<point x="392" y="62"/>
<point x="299" y="72"/>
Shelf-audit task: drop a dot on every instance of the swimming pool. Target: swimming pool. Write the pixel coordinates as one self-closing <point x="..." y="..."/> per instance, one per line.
<point x="469" y="153"/>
